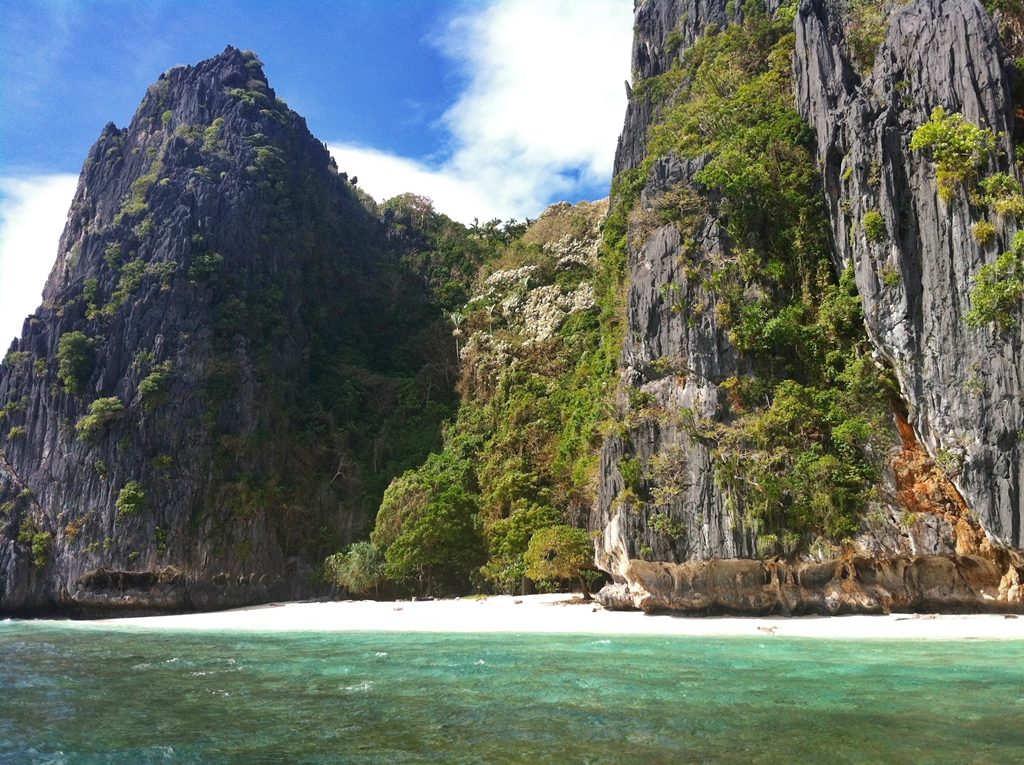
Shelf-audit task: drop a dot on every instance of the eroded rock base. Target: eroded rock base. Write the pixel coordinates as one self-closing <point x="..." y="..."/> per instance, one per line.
<point x="106" y="593"/>
<point x="855" y="585"/>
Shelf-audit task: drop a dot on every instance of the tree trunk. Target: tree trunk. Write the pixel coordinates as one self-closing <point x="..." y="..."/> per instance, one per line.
<point x="526" y="586"/>
<point x="583" y="588"/>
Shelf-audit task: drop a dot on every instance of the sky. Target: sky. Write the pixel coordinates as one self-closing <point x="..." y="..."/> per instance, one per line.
<point x="492" y="108"/>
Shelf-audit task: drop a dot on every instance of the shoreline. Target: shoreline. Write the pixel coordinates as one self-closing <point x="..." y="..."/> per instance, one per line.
<point x="564" y="614"/>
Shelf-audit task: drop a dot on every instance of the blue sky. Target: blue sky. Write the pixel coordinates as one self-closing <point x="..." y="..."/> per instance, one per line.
<point x="493" y="109"/>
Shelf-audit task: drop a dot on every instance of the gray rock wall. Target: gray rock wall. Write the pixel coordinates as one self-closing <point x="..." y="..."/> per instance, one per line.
<point x="962" y="386"/>
<point x="675" y="353"/>
<point x="238" y="508"/>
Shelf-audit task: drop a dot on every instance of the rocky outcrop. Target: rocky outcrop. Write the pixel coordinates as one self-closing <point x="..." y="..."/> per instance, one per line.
<point x="863" y="585"/>
<point x="674" y="358"/>
<point x="193" y="417"/>
<point x="664" y="30"/>
<point x="942" y="530"/>
<point x="962" y="386"/>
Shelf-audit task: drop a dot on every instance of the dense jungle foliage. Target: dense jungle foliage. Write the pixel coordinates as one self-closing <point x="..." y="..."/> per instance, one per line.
<point x="535" y="381"/>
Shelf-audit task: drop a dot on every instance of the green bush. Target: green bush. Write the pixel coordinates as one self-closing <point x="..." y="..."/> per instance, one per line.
<point x="673" y="41"/>
<point x="112" y="255"/>
<point x="663" y="524"/>
<point x="16" y="432"/>
<point x="102" y="412"/>
<point x="560" y="552"/>
<point x="998" y="290"/>
<point x="959" y="148"/>
<point x="427" y="526"/>
<point x="164" y="271"/>
<point x="90" y="291"/>
<point x="42" y="545"/>
<point x="632" y="471"/>
<point x="874" y="226"/>
<point x="984" y="232"/>
<point x="161" y="540"/>
<point x="153" y="388"/>
<point x="509" y="538"/>
<point x="206" y="268"/>
<point x="360" y="568"/>
<point x="41" y="542"/>
<point x="132" y="274"/>
<point x="130" y="499"/>
<point x="250" y="97"/>
<point x="211" y="136"/>
<point x="75" y="357"/>
<point x="17" y="358"/>
<point x="134" y="203"/>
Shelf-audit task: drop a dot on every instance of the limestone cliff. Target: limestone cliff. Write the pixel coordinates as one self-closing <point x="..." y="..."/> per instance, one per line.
<point x="962" y="385"/>
<point x="215" y="390"/>
<point x="938" y="520"/>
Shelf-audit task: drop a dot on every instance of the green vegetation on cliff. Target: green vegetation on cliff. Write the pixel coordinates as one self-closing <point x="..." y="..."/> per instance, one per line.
<point x="962" y="152"/>
<point x="535" y="383"/>
<point x="75" y="354"/>
<point x="999" y="289"/>
<point x="796" y="447"/>
<point x="341" y="320"/>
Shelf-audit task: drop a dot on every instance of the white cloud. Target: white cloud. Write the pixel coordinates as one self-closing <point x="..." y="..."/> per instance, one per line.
<point x="538" y="119"/>
<point x="384" y="176"/>
<point x="33" y="211"/>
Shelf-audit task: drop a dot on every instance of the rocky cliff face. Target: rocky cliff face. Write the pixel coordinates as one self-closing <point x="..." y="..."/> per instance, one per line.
<point x="962" y="385"/>
<point x="198" y="413"/>
<point x="944" y="503"/>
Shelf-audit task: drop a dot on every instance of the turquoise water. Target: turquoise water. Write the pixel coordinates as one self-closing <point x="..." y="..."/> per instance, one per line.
<point x="74" y="694"/>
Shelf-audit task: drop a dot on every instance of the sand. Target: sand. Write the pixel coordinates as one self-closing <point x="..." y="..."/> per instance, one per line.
<point x="568" y="614"/>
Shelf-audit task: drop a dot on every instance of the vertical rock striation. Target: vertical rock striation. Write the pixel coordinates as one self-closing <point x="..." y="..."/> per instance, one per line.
<point x="674" y="358"/>
<point x="962" y="386"/>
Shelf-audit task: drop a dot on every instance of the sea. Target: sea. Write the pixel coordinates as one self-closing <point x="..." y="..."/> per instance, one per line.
<point x="74" y="693"/>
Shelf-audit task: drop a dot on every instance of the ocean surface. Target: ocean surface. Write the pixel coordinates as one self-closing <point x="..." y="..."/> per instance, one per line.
<point x="80" y="694"/>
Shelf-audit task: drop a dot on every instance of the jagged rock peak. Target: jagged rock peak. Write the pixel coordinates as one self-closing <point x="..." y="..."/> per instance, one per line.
<point x="208" y="124"/>
<point x="186" y="404"/>
<point x="664" y="30"/>
<point x="198" y="93"/>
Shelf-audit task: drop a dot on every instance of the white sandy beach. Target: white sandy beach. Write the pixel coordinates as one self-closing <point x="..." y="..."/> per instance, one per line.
<point x="562" y="613"/>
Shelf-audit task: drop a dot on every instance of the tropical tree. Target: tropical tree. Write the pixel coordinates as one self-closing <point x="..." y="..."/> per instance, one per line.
<point x="560" y="552"/>
<point x="427" y="525"/>
<point x="360" y="568"/>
